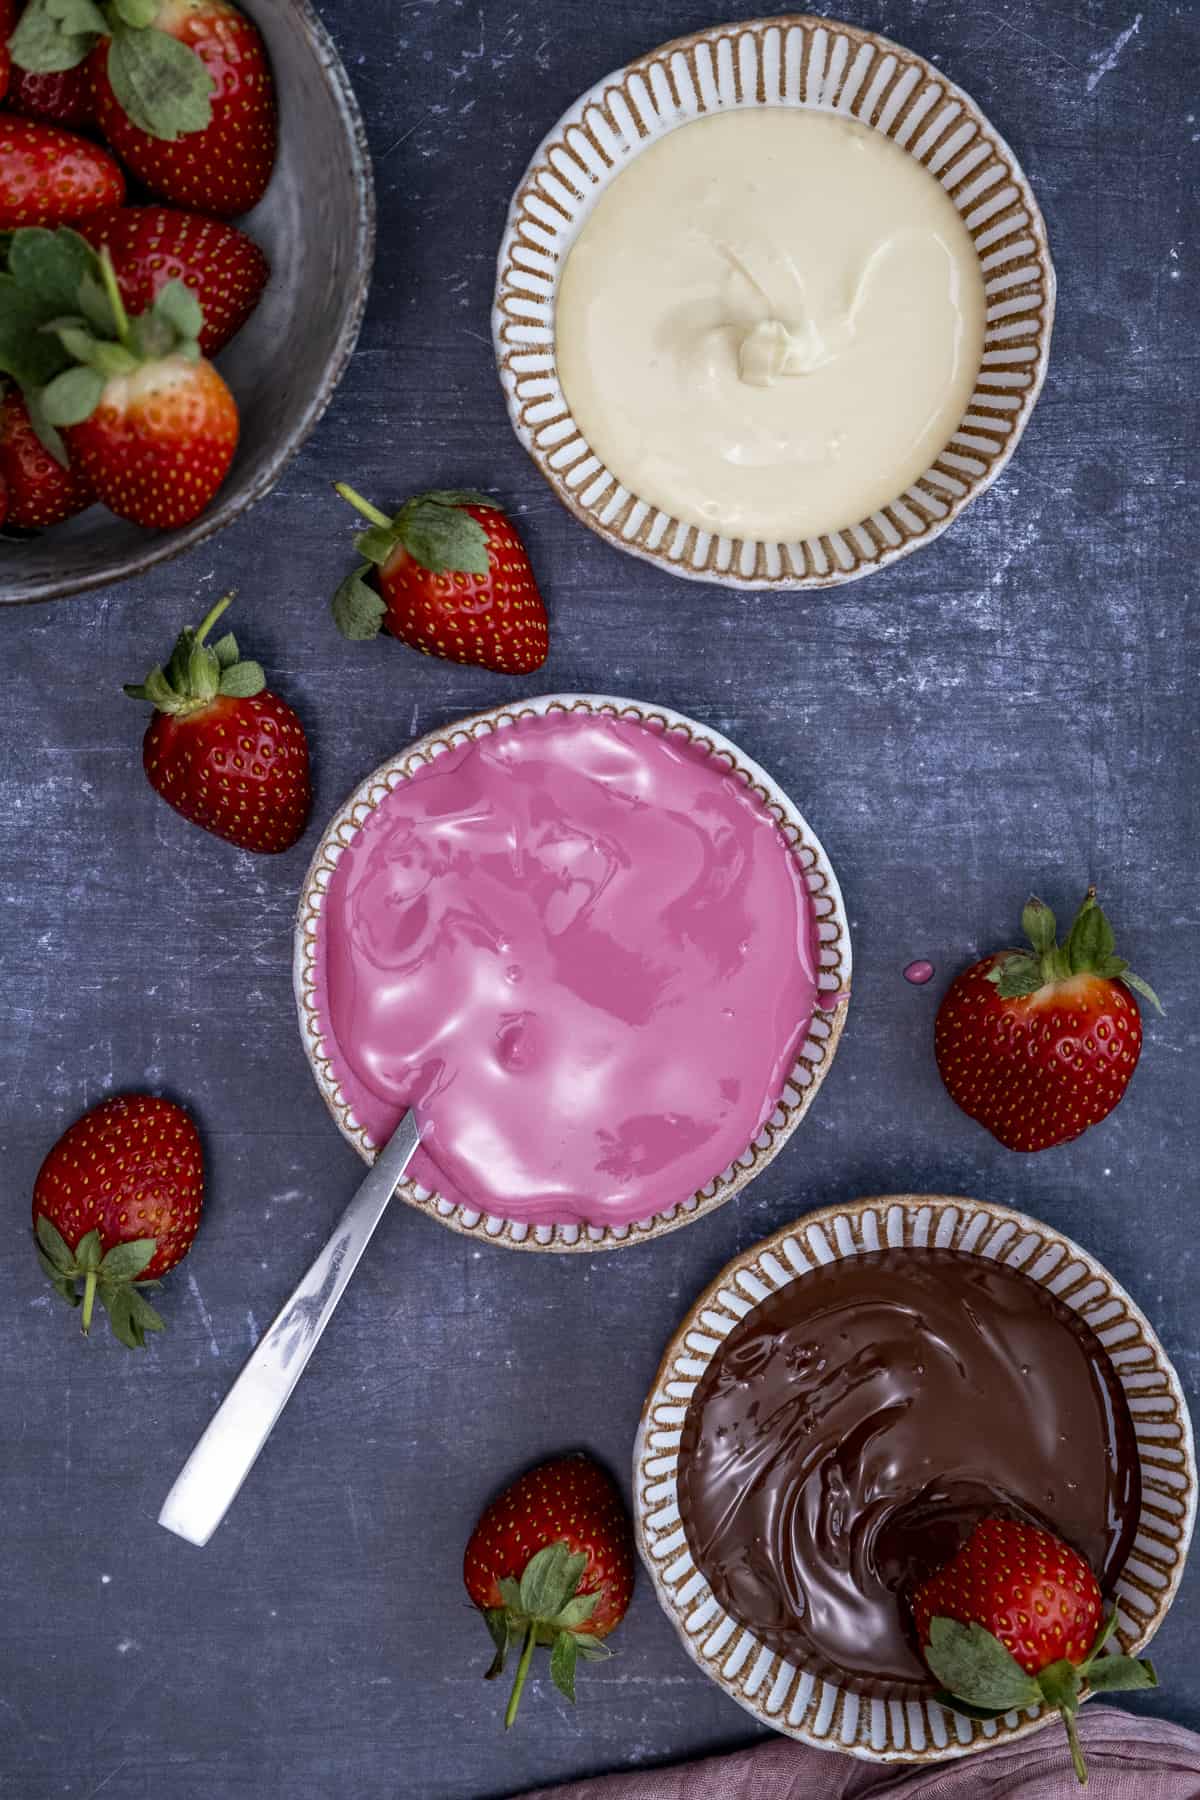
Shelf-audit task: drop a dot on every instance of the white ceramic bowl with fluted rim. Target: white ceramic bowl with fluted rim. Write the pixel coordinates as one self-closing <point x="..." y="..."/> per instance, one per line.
<point x="816" y="1053"/>
<point x="788" y="1698"/>
<point x="792" y="61"/>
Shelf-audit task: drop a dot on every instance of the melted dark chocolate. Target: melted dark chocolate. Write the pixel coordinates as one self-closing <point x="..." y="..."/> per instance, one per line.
<point x="856" y="1426"/>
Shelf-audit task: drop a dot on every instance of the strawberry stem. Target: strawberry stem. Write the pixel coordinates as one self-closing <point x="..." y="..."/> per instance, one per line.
<point x="109" y="277"/>
<point x="210" y="620"/>
<point x="514" y="1699"/>
<point x="89" y="1300"/>
<point x="359" y="504"/>
<point x="1077" y="1762"/>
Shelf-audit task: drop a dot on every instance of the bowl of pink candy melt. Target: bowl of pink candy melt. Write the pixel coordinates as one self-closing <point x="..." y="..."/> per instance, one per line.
<point x="596" y="949"/>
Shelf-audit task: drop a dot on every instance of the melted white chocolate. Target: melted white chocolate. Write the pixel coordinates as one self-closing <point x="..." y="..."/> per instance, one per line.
<point x="771" y="323"/>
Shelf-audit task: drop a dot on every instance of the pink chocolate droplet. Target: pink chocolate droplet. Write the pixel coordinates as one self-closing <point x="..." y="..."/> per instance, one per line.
<point x="919" y="973"/>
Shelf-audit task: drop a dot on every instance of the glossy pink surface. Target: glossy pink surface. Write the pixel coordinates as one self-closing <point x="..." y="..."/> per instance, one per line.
<point x="584" y="952"/>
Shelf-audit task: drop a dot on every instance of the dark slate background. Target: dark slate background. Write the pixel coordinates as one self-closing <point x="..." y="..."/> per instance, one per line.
<point x="1011" y="708"/>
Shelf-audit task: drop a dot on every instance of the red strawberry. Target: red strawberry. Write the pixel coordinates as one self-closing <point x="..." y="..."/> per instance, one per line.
<point x="222" y="751"/>
<point x="159" y="443"/>
<point x="551" y="1562"/>
<point x="3" y="502"/>
<point x="448" y="575"/>
<point x="1038" y="1047"/>
<point x="116" y="1204"/>
<point x="151" y="245"/>
<point x="149" y="422"/>
<point x="49" y="176"/>
<point x="1017" y="1620"/>
<point x="224" y="165"/>
<point x="62" y="96"/>
<point x="40" y="491"/>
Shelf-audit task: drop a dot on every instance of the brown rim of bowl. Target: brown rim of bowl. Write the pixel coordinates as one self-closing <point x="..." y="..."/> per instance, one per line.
<point x="561" y="182"/>
<point x="815" y="1057"/>
<point x="223" y="512"/>
<point x="780" y="1694"/>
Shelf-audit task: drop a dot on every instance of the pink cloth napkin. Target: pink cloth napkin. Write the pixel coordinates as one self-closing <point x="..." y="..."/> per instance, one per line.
<point x="1128" y="1759"/>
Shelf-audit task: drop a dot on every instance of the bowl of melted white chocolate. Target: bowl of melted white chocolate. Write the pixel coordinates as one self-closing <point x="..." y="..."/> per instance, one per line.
<point x="774" y="304"/>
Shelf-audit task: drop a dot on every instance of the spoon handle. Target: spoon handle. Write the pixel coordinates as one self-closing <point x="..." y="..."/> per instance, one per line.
<point x="240" y="1427"/>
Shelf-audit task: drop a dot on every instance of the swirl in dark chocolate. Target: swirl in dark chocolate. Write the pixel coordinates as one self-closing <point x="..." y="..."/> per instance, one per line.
<point x="856" y="1425"/>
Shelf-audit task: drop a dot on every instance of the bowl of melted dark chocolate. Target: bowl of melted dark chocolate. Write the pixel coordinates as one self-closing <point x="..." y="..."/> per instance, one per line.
<point x="861" y="1391"/>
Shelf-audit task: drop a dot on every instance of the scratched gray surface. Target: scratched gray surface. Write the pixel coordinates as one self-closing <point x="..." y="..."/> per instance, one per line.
<point x="1013" y="707"/>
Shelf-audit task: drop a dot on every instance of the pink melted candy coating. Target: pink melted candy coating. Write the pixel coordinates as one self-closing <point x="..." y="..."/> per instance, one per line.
<point x="583" y="951"/>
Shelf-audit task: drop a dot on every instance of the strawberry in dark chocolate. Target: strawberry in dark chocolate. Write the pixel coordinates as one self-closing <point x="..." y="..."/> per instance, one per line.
<point x="1016" y="1620"/>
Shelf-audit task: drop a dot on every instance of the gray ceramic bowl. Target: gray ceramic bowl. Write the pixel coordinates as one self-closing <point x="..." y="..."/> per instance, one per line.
<point x="317" y="226"/>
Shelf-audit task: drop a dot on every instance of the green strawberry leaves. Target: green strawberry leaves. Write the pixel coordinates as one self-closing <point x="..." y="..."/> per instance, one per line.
<point x="242" y="681"/>
<point x="435" y="530"/>
<point x="64" y="332"/>
<point x="440" y="536"/>
<point x="197" y="671"/>
<point x="562" y="1664"/>
<point x="1122" y="1674"/>
<point x="545" y="1607"/>
<point x="1090" y="949"/>
<point x="177" y="309"/>
<point x="1016" y="977"/>
<point x="54" y="35"/>
<point x="979" y="1677"/>
<point x="130" y="1316"/>
<point x="161" y="84"/>
<point x="1091" y="939"/>
<point x="550" y="1579"/>
<point x="41" y="283"/>
<point x="1128" y="979"/>
<point x="108" y="1276"/>
<point x="358" y="608"/>
<point x="1039" y="925"/>
<point x="968" y="1660"/>
<point x="72" y="397"/>
<point x="51" y="264"/>
<point x="138" y="13"/>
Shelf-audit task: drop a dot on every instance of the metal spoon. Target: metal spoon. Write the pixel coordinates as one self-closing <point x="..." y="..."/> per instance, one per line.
<point x="227" y="1451"/>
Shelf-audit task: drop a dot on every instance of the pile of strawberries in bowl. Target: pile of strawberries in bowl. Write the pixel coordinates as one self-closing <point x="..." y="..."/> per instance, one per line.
<point x="155" y="156"/>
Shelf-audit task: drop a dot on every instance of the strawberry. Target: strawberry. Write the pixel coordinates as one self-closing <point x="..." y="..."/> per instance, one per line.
<point x="1038" y="1047"/>
<point x="150" y="423"/>
<point x="151" y="245"/>
<point x="116" y="1204"/>
<point x="3" y="502"/>
<point x="222" y="751"/>
<point x="62" y="96"/>
<point x="48" y="176"/>
<point x="40" y="491"/>
<point x="182" y="91"/>
<point x="1016" y="1619"/>
<point x="224" y="166"/>
<point x="449" y="576"/>
<point x="551" y="1562"/>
